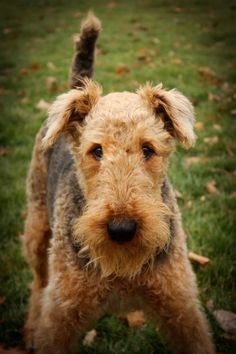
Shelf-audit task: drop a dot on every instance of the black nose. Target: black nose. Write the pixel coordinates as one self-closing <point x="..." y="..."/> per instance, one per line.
<point x="121" y="230"/>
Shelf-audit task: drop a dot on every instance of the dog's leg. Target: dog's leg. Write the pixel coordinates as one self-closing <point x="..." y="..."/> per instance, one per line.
<point x="71" y="300"/>
<point x="172" y="294"/>
<point x="36" y="235"/>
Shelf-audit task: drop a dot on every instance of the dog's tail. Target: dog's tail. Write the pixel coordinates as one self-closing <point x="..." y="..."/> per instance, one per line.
<point x="85" y="42"/>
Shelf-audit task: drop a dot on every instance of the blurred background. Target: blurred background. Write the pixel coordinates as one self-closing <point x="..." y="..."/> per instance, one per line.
<point x="189" y="45"/>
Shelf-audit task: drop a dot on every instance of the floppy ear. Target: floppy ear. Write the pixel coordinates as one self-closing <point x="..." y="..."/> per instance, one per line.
<point x="70" y="109"/>
<point x="174" y="109"/>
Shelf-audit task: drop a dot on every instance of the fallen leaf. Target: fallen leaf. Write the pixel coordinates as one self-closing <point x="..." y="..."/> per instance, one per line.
<point x="121" y="69"/>
<point x="24" y="71"/>
<point x="213" y="98"/>
<point x="7" y="30"/>
<point x="211" y="187"/>
<point x="135" y="319"/>
<point x="208" y="75"/>
<point x="25" y="100"/>
<point x="203" y="261"/>
<point x="193" y="160"/>
<point x="51" y="66"/>
<point x="229" y="150"/>
<point x="199" y="126"/>
<point x="177" y="9"/>
<point x="217" y="127"/>
<point x="143" y="55"/>
<point x="2" y="300"/>
<point x="228" y="336"/>
<point x="77" y="14"/>
<point x="51" y="83"/>
<point x="177" y="61"/>
<point x="90" y="338"/>
<point x="233" y="112"/>
<point x="42" y="105"/>
<point x="34" y="66"/>
<point x="225" y="87"/>
<point x="14" y="350"/>
<point x="226" y="320"/>
<point x="142" y="28"/>
<point x="177" y="45"/>
<point x="188" y="204"/>
<point x="178" y="194"/>
<point x="205" y="71"/>
<point x="5" y="150"/>
<point x="211" y="140"/>
<point x="112" y="5"/>
<point x="155" y="40"/>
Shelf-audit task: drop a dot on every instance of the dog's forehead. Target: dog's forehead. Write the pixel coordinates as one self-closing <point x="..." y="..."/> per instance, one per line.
<point x="120" y="105"/>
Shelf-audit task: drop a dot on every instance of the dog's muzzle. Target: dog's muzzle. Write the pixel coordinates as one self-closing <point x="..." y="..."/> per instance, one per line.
<point x="121" y="230"/>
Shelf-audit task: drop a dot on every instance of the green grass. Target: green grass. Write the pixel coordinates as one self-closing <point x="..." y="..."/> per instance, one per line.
<point x="178" y="39"/>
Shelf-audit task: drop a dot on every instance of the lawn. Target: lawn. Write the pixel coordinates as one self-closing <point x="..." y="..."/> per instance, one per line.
<point x="189" y="45"/>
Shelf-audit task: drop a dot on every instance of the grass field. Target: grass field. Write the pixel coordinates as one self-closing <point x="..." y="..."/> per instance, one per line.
<point x="189" y="45"/>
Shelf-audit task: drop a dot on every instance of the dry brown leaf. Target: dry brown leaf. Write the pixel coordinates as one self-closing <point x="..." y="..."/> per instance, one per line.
<point x="228" y="336"/>
<point x="77" y="15"/>
<point x="199" y="126"/>
<point x="121" y="69"/>
<point x="42" y="105"/>
<point x="2" y="300"/>
<point x="51" y="65"/>
<point x="203" y="261"/>
<point x="212" y="97"/>
<point x="188" y="204"/>
<point x="112" y="5"/>
<point x="135" y="319"/>
<point x="51" y="83"/>
<point x="25" y="100"/>
<point x="233" y="112"/>
<point x="90" y="338"/>
<point x="193" y="160"/>
<point x="24" y="71"/>
<point x="14" y="350"/>
<point x="34" y="66"/>
<point x="5" y="150"/>
<point x="206" y="72"/>
<point x="226" y="320"/>
<point x="229" y="149"/>
<point x="7" y="30"/>
<point x="177" y="61"/>
<point x="211" y="187"/>
<point x="211" y="140"/>
<point x="143" y="55"/>
<point x="177" y="9"/>
<point x="155" y="40"/>
<point x="217" y="127"/>
<point x="178" y="194"/>
<point x="177" y="45"/>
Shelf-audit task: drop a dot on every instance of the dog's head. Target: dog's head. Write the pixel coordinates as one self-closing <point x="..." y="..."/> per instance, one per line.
<point x="121" y="143"/>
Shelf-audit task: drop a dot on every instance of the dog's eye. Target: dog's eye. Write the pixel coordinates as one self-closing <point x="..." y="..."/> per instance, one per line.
<point x="97" y="153"/>
<point x="147" y="152"/>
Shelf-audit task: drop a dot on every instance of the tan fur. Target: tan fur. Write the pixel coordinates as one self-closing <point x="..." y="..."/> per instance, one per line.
<point x="83" y="272"/>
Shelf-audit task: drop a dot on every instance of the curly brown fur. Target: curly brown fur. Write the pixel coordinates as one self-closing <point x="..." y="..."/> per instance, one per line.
<point x="98" y="184"/>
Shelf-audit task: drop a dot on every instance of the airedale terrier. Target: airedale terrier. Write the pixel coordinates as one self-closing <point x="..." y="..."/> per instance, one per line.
<point x="103" y="230"/>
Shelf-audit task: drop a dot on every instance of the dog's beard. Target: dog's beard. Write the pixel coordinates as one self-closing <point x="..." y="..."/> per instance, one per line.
<point x="126" y="259"/>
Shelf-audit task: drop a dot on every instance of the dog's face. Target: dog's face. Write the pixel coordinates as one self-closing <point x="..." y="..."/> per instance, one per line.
<point x="121" y="143"/>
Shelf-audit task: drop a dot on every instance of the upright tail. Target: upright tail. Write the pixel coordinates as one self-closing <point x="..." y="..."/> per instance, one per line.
<point x="83" y="60"/>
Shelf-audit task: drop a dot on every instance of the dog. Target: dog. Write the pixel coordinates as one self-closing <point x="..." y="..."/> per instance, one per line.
<point x="103" y="230"/>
